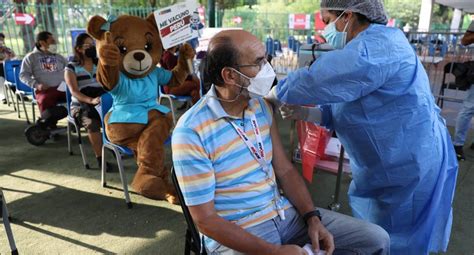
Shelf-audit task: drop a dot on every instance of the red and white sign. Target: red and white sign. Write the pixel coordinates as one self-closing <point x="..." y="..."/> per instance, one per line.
<point x="178" y="23"/>
<point x="237" y="19"/>
<point x="299" y="21"/>
<point x="24" y="19"/>
<point x="391" y="23"/>
<point x="318" y="22"/>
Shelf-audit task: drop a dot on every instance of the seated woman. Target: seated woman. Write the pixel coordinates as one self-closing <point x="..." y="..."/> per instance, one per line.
<point x="190" y="87"/>
<point x="85" y="90"/>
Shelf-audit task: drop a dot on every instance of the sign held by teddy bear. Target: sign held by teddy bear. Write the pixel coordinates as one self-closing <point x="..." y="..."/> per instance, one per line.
<point x="178" y="23"/>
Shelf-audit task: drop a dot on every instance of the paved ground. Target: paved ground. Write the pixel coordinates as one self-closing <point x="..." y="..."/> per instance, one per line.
<point x="60" y="208"/>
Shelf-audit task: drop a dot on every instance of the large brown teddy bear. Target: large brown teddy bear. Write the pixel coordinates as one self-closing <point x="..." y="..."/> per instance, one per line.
<point x="129" y="50"/>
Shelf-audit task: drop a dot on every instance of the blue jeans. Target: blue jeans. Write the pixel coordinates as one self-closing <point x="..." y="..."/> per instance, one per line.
<point x="463" y="120"/>
<point x="351" y="235"/>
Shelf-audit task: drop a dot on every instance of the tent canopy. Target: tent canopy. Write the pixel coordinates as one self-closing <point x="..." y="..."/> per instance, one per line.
<point x="465" y="5"/>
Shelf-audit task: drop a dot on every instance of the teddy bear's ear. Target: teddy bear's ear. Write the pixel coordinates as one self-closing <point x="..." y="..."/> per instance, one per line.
<point x="152" y="20"/>
<point x="94" y="27"/>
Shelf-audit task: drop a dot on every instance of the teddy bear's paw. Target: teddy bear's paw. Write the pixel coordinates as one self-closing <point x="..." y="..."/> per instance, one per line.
<point x="172" y="199"/>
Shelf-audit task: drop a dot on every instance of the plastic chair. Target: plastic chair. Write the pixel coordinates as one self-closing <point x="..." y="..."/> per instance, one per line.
<point x="9" y="84"/>
<point x="6" y="222"/>
<point x="170" y="97"/>
<point x="106" y="104"/>
<point x="193" y="239"/>
<point x="71" y="121"/>
<point x="448" y="69"/>
<point x="22" y="91"/>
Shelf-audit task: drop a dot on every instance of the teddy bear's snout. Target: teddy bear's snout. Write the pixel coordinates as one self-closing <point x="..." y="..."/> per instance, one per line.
<point x="137" y="62"/>
<point x="138" y="56"/>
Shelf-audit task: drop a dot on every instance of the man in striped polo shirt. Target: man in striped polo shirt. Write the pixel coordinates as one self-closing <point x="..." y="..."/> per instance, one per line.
<point x="228" y="157"/>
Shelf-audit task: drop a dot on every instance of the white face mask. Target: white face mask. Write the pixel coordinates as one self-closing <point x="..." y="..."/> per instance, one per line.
<point x="261" y="84"/>
<point x="53" y="48"/>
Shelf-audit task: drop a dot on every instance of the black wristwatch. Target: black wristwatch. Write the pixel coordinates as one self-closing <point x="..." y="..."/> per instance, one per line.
<point x="310" y="214"/>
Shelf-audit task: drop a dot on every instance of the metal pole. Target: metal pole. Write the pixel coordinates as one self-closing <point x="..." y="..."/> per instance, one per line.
<point x="335" y="205"/>
<point x="211" y="6"/>
<point x="6" y="222"/>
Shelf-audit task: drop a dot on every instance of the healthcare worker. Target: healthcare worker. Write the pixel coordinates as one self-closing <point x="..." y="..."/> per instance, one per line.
<point x="376" y="95"/>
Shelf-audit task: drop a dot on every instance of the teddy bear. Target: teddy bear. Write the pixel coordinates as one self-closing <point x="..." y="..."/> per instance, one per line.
<point x="129" y="50"/>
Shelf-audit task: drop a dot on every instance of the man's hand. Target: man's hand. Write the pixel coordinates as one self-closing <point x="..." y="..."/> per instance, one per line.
<point x="289" y="250"/>
<point x="109" y="53"/>
<point x="42" y="87"/>
<point x="318" y="233"/>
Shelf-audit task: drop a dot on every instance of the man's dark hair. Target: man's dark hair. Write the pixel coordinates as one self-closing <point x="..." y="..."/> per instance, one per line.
<point x="223" y="54"/>
<point x="2" y="35"/>
<point x="42" y="36"/>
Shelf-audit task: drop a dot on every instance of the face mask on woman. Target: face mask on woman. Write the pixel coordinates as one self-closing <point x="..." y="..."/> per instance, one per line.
<point x="335" y="38"/>
<point x="91" y="52"/>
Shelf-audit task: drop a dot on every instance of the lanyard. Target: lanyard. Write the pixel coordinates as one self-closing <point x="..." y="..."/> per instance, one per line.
<point x="259" y="154"/>
<point x="259" y="151"/>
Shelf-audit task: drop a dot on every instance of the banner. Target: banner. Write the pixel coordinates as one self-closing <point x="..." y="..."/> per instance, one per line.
<point x="178" y="23"/>
<point x="318" y="22"/>
<point x="299" y="21"/>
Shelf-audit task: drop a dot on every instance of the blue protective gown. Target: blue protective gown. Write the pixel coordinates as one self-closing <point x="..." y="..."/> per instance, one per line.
<point x="403" y="163"/>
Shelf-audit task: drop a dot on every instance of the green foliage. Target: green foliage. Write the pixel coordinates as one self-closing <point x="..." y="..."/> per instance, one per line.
<point x="406" y="11"/>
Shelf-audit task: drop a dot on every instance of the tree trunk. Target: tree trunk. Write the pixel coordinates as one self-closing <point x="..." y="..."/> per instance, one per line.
<point x="26" y="31"/>
<point x="45" y="15"/>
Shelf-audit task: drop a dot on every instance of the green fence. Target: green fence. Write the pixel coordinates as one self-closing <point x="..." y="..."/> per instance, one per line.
<point x="58" y="19"/>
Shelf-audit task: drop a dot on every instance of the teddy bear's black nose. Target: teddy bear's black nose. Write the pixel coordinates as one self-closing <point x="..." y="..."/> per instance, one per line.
<point x="139" y="56"/>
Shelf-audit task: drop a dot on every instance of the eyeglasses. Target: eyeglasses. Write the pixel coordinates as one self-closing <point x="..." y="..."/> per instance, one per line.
<point x="260" y="64"/>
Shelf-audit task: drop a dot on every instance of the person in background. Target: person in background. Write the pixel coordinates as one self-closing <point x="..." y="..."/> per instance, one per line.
<point x="80" y="77"/>
<point x="5" y="55"/>
<point x="374" y="92"/>
<point x="191" y="87"/>
<point x="5" y="52"/>
<point x="43" y="70"/>
<point x="463" y="121"/>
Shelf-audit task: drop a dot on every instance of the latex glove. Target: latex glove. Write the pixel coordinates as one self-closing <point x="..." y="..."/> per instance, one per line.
<point x="293" y="112"/>
<point x="297" y="112"/>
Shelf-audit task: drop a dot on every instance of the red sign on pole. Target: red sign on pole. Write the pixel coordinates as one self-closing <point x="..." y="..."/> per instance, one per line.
<point x="24" y="19"/>
<point x="299" y="21"/>
<point x="318" y="22"/>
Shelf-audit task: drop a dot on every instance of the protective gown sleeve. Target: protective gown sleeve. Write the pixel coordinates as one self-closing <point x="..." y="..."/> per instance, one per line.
<point x="339" y="76"/>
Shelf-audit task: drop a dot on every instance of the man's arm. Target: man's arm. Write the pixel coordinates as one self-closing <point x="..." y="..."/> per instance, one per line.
<point x="26" y="73"/>
<point x="233" y="236"/>
<point x="468" y="38"/>
<point x="295" y="190"/>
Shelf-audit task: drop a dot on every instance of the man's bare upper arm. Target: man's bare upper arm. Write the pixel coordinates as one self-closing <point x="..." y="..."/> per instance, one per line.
<point x="281" y="164"/>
